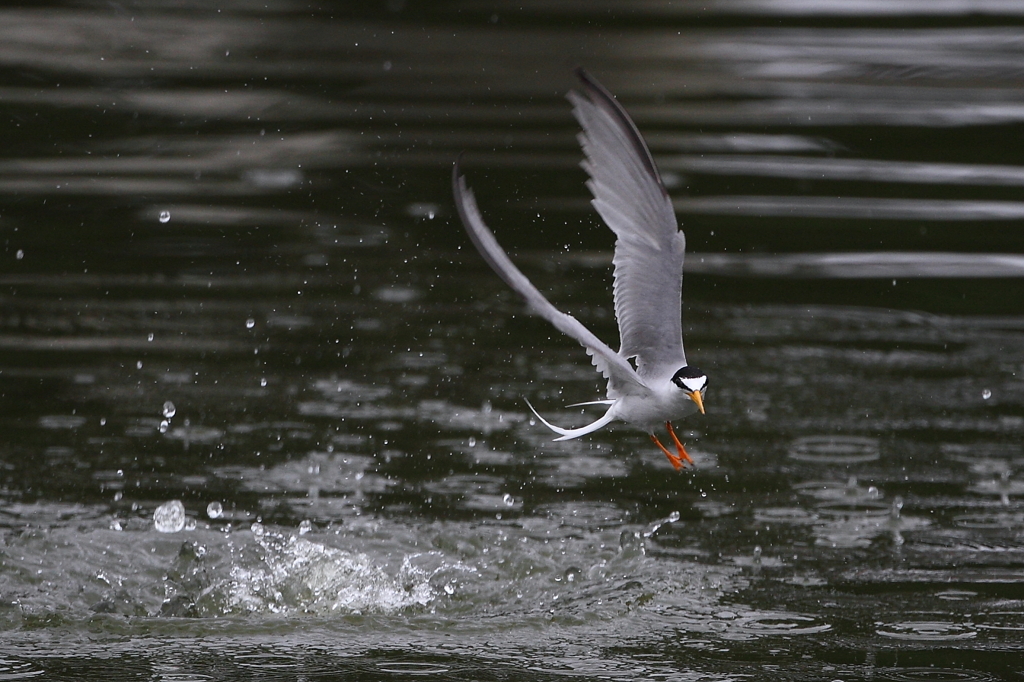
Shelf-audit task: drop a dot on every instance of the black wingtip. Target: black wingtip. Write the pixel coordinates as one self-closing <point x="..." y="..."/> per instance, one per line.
<point x="600" y="96"/>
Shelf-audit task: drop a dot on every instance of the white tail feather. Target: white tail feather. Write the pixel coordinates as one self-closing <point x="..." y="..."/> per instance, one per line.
<point x="592" y="402"/>
<point x="569" y="434"/>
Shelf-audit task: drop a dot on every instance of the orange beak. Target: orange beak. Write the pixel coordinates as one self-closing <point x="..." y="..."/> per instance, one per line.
<point x="696" y="397"/>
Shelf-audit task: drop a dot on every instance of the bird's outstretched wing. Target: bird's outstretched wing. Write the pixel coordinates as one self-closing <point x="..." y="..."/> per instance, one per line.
<point x="622" y="379"/>
<point x="649" y="249"/>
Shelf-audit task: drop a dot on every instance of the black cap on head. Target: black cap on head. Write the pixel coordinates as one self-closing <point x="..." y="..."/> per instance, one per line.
<point x="687" y="372"/>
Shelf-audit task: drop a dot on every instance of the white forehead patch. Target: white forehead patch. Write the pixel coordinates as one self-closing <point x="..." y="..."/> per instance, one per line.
<point x="694" y="384"/>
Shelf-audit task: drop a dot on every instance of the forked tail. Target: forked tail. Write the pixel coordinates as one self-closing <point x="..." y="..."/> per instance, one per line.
<point x="569" y="434"/>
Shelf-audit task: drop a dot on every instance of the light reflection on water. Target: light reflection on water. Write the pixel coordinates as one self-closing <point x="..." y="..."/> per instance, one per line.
<point x="247" y="216"/>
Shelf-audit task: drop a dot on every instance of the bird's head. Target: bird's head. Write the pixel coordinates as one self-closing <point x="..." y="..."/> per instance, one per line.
<point x="694" y="382"/>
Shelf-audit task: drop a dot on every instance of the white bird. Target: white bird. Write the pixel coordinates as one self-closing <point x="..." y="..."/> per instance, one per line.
<point x="649" y="249"/>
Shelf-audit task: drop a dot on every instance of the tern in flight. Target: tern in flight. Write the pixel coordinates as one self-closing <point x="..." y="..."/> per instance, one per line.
<point x="649" y="248"/>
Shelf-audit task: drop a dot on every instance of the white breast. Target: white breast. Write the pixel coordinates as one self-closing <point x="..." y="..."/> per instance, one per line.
<point x="652" y="411"/>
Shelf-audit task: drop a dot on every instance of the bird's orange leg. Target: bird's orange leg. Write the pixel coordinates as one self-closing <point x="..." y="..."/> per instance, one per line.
<point x="679" y="446"/>
<point x="677" y="463"/>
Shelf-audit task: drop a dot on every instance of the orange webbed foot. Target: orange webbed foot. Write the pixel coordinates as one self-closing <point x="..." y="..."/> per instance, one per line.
<point x="676" y="462"/>
<point x="679" y="445"/>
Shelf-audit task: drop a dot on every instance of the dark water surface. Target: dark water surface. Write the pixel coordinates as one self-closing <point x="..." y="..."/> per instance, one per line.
<point x="262" y="404"/>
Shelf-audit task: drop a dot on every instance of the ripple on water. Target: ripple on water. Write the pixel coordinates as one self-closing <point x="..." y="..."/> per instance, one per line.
<point x="18" y="670"/>
<point x="1003" y="621"/>
<point x="834" y="449"/>
<point x="956" y="595"/>
<point x="837" y="491"/>
<point x="932" y="675"/>
<point x="1001" y="487"/>
<point x="61" y="421"/>
<point x="857" y="525"/>
<point x="267" y="661"/>
<point x="755" y="624"/>
<point x="1006" y="521"/>
<point x="773" y="623"/>
<point x="786" y="515"/>
<point x="412" y="668"/>
<point x="927" y="631"/>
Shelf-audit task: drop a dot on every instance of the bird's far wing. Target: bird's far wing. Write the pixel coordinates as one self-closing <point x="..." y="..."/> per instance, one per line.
<point x="649" y="249"/>
<point x="622" y="380"/>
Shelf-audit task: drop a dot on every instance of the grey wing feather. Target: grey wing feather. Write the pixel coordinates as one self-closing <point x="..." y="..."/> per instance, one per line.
<point x="622" y="379"/>
<point x="649" y="249"/>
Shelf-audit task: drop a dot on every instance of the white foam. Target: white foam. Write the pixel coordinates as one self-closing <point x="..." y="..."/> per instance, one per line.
<point x="297" y="575"/>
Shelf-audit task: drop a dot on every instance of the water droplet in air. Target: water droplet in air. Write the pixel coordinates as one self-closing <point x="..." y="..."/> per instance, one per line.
<point x="263" y="382"/>
<point x="986" y="394"/>
<point x="305" y="527"/>
<point x="508" y="500"/>
<point x="673" y="517"/>
<point x="138" y="365"/>
<point x="250" y="323"/>
<point x="20" y="254"/>
<point x="215" y="510"/>
<point x="757" y="554"/>
<point x="449" y="588"/>
<point x="164" y="425"/>
<point x="165" y="216"/>
<point x="257" y="529"/>
<point x="169" y="409"/>
<point x="896" y="508"/>
<point x="472" y="442"/>
<point x="169" y="517"/>
<point x="572" y="573"/>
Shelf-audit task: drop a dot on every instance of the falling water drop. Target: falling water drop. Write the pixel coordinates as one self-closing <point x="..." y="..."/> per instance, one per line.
<point x="263" y="382"/>
<point x="508" y="500"/>
<point x="896" y="508"/>
<point x="150" y="337"/>
<point x="305" y="526"/>
<point x="164" y="425"/>
<point x="165" y="216"/>
<point x="20" y="254"/>
<point x="169" y="517"/>
<point x="169" y="409"/>
<point x="215" y="510"/>
<point x="250" y="323"/>
<point x="986" y="394"/>
<point x="472" y="442"/>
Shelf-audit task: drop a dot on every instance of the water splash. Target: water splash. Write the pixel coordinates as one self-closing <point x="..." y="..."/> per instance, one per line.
<point x="169" y="517"/>
<point x="297" y="575"/>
